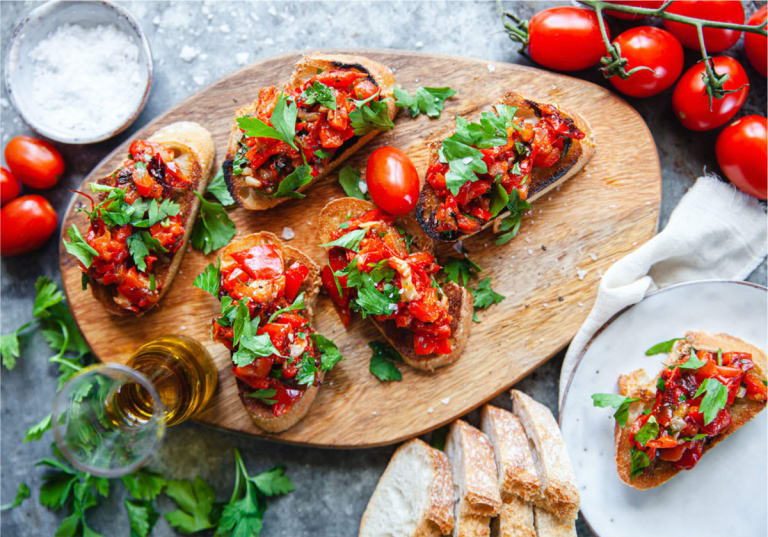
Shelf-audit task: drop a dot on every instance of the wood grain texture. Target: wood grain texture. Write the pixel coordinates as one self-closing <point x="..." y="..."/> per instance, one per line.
<point x="591" y="221"/>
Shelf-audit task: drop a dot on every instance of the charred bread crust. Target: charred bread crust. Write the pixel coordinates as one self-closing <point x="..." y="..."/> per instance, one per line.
<point x="194" y="151"/>
<point x="460" y="301"/>
<point x="307" y="67"/>
<point x="261" y="414"/>
<point x="742" y="410"/>
<point x="571" y="163"/>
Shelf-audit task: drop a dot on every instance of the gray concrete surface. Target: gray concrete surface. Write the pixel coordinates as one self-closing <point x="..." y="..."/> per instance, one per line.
<point x="332" y="487"/>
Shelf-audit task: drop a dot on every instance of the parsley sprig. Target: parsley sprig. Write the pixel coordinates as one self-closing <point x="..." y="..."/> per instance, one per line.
<point x="620" y="402"/>
<point x="383" y="361"/>
<point x="427" y="101"/>
<point x="213" y="228"/>
<point x="351" y="181"/>
<point x="461" y="270"/>
<point x="485" y="296"/>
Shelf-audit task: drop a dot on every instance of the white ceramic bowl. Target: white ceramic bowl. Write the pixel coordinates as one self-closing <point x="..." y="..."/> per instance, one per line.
<point x="38" y="24"/>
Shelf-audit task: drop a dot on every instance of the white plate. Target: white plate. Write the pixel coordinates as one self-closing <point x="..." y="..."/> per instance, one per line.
<point x="726" y="493"/>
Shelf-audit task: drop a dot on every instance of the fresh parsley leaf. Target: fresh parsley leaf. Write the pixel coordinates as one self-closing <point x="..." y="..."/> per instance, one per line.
<point x="209" y="280"/>
<point x="350" y="241"/>
<point x="79" y="248"/>
<point x="296" y="305"/>
<point x="322" y="155"/>
<point x="439" y="437"/>
<point x="484" y="296"/>
<point x="699" y="436"/>
<point x="619" y="402"/>
<point x="252" y="346"/>
<point x="499" y="199"/>
<point x="213" y="228"/>
<point x="283" y="121"/>
<point x="218" y="188"/>
<point x="661" y="385"/>
<point x="35" y="433"/>
<point x="464" y="163"/>
<point x="640" y="461"/>
<point x="9" y="346"/>
<point x="241" y="321"/>
<point x="371" y="301"/>
<point x="461" y="270"/>
<point x="22" y="493"/>
<point x="352" y="183"/>
<point x="371" y="116"/>
<point x="511" y="223"/>
<point x="144" y="484"/>
<point x="664" y="346"/>
<point x="142" y="516"/>
<point x="382" y="364"/>
<point x="158" y="212"/>
<point x="692" y="362"/>
<point x="265" y="395"/>
<point x="273" y="482"/>
<point x="299" y="177"/>
<point x="307" y="370"/>
<point x="714" y="400"/>
<point x="195" y="502"/>
<point x="329" y="352"/>
<point x="427" y="101"/>
<point x="139" y="250"/>
<point x="649" y="431"/>
<point x="719" y="356"/>
<point x="319" y="93"/>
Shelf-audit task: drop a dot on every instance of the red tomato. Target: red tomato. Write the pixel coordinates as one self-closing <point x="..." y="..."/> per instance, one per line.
<point x="25" y="224"/>
<point x="691" y="102"/>
<point x="10" y="187"/>
<point x="650" y="4"/>
<point x="654" y="48"/>
<point x="35" y="162"/>
<point x="392" y="180"/>
<point x="715" y="39"/>
<point x="294" y="276"/>
<point x="742" y="153"/>
<point x="756" y="45"/>
<point x="565" y="38"/>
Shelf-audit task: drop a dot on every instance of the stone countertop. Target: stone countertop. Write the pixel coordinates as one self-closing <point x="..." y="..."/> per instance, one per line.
<point x="194" y="44"/>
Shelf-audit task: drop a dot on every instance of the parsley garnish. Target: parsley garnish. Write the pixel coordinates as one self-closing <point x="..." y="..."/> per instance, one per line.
<point x="265" y="395"/>
<point x="619" y="402"/>
<point x="664" y="346"/>
<point x="329" y="352"/>
<point x="352" y="183"/>
<point x="322" y="155"/>
<point x="427" y="101"/>
<point x="283" y="121"/>
<point x="297" y="305"/>
<point x="307" y="370"/>
<point x="195" y="502"/>
<point x="213" y="228"/>
<point x="22" y="493"/>
<point x="511" y="223"/>
<point x="460" y="270"/>
<point x="484" y="296"/>
<point x="661" y="385"/>
<point x="210" y="278"/>
<point x="288" y="186"/>
<point x="218" y="187"/>
<point x="252" y="346"/>
<point x="350" y="241"/>
<point x="640" y="461"/>
<point x="319" y="93"/>
<point x="139" y="244"/>
<point x="79" y="248"/>
<point x="649" y="431"/>
<point x="383" y="359"/>
<point x="370" y="116"/>
<point x="714" y="400"/>
<point x="692" y="362"/>
<point x="699" y="436"/>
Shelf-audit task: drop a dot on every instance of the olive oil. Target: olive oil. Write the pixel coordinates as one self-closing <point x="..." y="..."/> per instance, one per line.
<point x="181" y="371"/>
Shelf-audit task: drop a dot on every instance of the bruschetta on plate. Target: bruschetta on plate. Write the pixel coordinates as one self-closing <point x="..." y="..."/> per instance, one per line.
<point x="293" y="136"/>
<point x="376" y="268"/>
<point x="487" y="171"/>
<point x="141" y="217"/>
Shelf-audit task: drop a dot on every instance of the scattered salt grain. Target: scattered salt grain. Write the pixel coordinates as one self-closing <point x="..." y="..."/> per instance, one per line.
<point x="188" y="53"/>
<point x="241" y="58"/>
<point x="156" y="20"/>
<point x="374" y="413"/>
<point x="491" y="68"/>
<point x="272" y="11"/>
<point x="554" y="86"/>
<point x="580" y="304"/>
<point x="224" y="28"/>
<point x="430" y="410"/>
<point x="581" y="273"/>
<point x="363" y="186"/>
<point x="446" y="400"/>
<point x="269" y="42"/>
<point x="530" y="251"/>
<point x="199" y="79"/>
<point x="419" y="44"/>
<point x="527" y="239"/>
<point x="593" y="256"/>
<point x="183" y="327"/>
<point x="612" y="206"/>
<point x="288" y="233"/>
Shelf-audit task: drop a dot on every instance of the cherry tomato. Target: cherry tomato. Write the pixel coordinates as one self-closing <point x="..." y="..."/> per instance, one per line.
<point x="10" y="187"/>
<point x="25" y="224"/>
<point x="715" y="39"/>
<point x="691" y="102"/>
<point x="565" y="38"/>
<point x="392" y="180"/>
<point x="35" y="162"/>
<point x="654" y="48"/>
<point x="650" y="4"/>
<point x="756" y="45"/>
<point x="742" y="153"/>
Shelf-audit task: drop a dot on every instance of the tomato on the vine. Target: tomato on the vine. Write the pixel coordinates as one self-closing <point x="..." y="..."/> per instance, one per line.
<point x="742" y="153"/>
<point x="25" y="224"/>
<point x="392" y="180"/>
<point x="651" y="47"/>
<point x="10" y="187"/>
<point x="565" y="38"/>
<point x="715" y="39"/>
<point x="691" y="102"/>
<point x="756" y="45"/>
<point x="650" y="4"/>
<point x="34" y="162"/>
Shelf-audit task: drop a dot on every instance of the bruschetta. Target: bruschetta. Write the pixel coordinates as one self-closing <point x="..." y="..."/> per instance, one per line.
<point x="141" y="217"/>
<point x="374" y="269"/>
<point x="293" y="136"/>
<point x="484" y="172"/>
<point x="712" y="385"/>
<point x="267" y="290"/>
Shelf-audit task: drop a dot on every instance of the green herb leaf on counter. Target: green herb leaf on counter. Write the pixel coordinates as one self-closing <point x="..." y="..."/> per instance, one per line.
<point x="692" y="362"/>
<point x="307" y="370"/>
<point x="427" y="101"/>
<point x="144" y="484"/>
<point x="209" y="280"/>
<point x="319" y="93"/>
<point x="265" y="395"/>
<point x="714" y="400"/>
<point x="351" y="181"/>
<point x="299" y="177"/>
<point x="35" y="433"/>
<point x="22" y="493"/>
<point x="370" y="116"/>
<point x="511" y="223"/>
<point x="329" y="352"/>
<point x="195" y="502"/>
<point x="640" y="461"/>
<point x="484" y="296"/>
<point x="350" y="241"/>
<point x="461" y="270"/>
<point x="9" y="346"/>
<point x="619" y="402"/>
<point x="383" y="359"/>
<point x="142" y="516"/>
<point x="663" y="347"/>
<point x="79" y="248"/>
<point x="649" y="431"/>
<point x="218" y="188"/>
<point x="213" y="228"/>
<point x="296" y="305"/>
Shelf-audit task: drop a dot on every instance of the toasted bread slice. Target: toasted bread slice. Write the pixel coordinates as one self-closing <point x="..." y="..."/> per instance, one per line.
<point x="542" y="181"/>
<point x="637" y="384"/>
<point x="515" y="519"/>
<point x="306" y="68"/>
<point x="260" y="413"/>
<point x="194" y="152"/>
<point x="414" y="495"/>
<point x="475" y="480"/>
<point x="549" y="525"/>
<point x="459" y="298"/>
<point x="558" y="482"/>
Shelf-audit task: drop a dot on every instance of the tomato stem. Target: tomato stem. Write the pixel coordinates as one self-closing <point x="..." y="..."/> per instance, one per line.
<point x="613" y="64"/>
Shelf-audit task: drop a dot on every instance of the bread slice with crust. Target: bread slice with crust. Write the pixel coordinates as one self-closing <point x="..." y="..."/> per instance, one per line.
<point x="306" y="68"/>
<point x="549" y="525"/>
<point x="260" y="413"/>
<point x="558" y="494"/>
<point x="414" y="495"/>
<point x="638" y="384"/>
<point x="542" y="181"/>
<point x="475" y="480"/>
<point x="515" y="519"/>
<point x="459" y="298"/>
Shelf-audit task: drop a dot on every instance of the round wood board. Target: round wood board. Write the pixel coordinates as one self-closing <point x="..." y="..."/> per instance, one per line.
<point x="549" y="273"/>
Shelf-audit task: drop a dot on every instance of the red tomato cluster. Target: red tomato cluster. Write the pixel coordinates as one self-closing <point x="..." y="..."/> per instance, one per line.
<point x="27" y="222"/>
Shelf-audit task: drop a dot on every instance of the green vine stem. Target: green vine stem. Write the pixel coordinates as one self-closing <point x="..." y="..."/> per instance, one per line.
<point x="614" y="64"/>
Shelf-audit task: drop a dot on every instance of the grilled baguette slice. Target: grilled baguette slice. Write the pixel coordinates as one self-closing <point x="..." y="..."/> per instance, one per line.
<point x="548" y="525"/>
<point x="261" y="414"/>
<point x="515" y="519"/>
<point x="306" y="68"/>
<point x="475" y="480"/>
<point x="558" y="493"/>
<point x="542" y="181"/>
<point x="637" y="384"/>
<point x="194" y="152"/>
<point x="459" y="298"/>
<point x="414" y="495"/>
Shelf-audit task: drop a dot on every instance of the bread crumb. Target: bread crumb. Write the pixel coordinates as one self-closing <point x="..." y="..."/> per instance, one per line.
<point x="288" y="233"/>
<point x="581" y="273"/>
<point x="446" y="400"/>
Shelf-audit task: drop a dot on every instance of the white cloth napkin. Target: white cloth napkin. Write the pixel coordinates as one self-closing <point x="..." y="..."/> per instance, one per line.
<point x="715" y="232"/>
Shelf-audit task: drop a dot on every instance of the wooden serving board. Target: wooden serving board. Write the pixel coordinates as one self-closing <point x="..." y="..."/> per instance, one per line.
<point x="548" y="273"/>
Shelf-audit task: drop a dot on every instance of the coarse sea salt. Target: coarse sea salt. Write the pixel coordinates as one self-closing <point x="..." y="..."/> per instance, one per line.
<point x="86" y="80"/>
